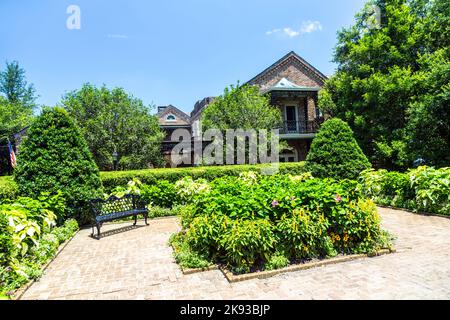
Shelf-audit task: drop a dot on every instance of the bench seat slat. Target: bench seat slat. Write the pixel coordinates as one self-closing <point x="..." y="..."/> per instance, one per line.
<point x="118" y="215"/>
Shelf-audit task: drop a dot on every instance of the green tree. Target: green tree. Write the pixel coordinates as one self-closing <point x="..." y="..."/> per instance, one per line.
<point x="113" y="120"/>
<point x="17" y="101"/>
<point x="428" y="127"/>
<point x="13" y="117"/>
<point x="335" y="153"/>
<point x="380" y="77"/>
<point x="14" y="86"/>
<point x="241" y="107"/>
<point x="55" y="157"/>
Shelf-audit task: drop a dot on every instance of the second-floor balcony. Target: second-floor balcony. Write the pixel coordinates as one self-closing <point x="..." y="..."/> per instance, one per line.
<point x="300" y="127"/>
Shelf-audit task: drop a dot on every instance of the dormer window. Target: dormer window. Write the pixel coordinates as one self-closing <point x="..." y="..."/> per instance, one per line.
<point x="171" y="117"/>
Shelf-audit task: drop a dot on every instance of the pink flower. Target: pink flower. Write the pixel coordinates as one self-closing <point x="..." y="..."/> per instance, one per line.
<point x="293" y="198"/>
<point x="338" y="198"/>
<point x="275" y="203"/>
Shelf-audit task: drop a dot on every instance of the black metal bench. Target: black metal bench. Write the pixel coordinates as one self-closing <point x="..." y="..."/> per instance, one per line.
<point x="115" y="208"/>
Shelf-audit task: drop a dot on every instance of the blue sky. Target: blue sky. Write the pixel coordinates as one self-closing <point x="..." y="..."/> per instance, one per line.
<point x="165" y="52"/>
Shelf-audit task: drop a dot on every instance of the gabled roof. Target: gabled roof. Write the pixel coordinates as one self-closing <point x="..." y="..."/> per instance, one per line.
<point x="294" y="56"/>
<point x="182" y="118"/>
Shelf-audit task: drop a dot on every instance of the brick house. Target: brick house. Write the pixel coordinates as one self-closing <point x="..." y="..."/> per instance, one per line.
<point x="293" y="85"/>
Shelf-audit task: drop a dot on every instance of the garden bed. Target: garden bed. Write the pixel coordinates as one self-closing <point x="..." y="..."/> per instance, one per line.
<point x="231" y="277"/>
<point x="255" y="224"/>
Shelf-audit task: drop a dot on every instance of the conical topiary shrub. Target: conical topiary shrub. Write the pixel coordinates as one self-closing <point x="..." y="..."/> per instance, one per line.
<point x="55" y="157"/>
<point x="335" y="153"/>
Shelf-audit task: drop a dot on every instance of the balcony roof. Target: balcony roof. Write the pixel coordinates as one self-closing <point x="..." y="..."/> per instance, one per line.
<point x="286" y="85"/>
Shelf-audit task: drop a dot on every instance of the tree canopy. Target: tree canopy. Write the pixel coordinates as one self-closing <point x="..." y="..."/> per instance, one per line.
<point x="113" y="120"/>
<point x="392" y="82"/>
<point x="14" y="86"/>
<point x="17" y="101"/>
<point x="241" y="107"/>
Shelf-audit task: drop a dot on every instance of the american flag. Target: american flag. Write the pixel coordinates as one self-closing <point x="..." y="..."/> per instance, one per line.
<point x="12" y="155"/>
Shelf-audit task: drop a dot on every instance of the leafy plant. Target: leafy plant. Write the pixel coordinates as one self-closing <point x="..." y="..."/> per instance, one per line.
<point x="277" y="260"/>
<point x="162" y="194"/>
<point x="423" y="189"/>
<point x="248" y="243"/>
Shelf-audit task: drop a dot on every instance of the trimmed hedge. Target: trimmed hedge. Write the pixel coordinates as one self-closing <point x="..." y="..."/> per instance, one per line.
<point x="55" y="157"/>
<point x="113" y="179"/>
<point x="152" y="176"/>
<point x="8" y="188"/>
<point x="335" y="153"/>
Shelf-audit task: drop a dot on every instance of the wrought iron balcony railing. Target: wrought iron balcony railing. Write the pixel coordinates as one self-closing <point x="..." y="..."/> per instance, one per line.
<point x="300" y="126"/>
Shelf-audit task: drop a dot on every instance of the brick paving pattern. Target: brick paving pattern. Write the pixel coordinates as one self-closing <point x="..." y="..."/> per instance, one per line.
<point x="137" y="263"/>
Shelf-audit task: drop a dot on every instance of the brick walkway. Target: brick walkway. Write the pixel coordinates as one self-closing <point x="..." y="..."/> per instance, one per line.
<point x="138" y="264"/>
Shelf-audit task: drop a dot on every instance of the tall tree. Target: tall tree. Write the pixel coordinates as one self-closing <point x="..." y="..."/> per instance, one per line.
<point x="380" y="76"/>
<point x="113" y="120"/>
<point x="14" y="86"/>
<point x="243" y="107"/>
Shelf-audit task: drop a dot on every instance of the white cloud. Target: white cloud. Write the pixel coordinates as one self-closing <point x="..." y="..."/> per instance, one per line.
<point x="310" y="26"/>
<point x="306" y="27"/>
<point x="272" y="31"/>
<point x="290" y="33"/>
<point x="117" y="36"/>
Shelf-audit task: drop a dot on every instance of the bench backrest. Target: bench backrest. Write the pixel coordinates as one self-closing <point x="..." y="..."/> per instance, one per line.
<point x="114" y="204"/>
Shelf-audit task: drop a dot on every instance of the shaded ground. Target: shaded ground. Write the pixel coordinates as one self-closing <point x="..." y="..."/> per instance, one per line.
<point x="137" y="263"/>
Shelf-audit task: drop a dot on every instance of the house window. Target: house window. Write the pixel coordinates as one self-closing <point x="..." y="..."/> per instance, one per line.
<point x="171" y="117"/>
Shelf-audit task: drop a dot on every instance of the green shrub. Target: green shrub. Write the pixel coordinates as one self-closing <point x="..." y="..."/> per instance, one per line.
<point x="30" y="231"/>
<point x="248" y="243"/>
<point x="8" y="188"/>
<point x="335" y="153"/>
<point x="304" y="234"/>
<point x="423" y="189"/>
<point x="205" y="233"/>
<point x="54" y="157"/>
<point x="277" y="260"/>
<point x="432" y="189"/>
<point x="161" y="194"/>
<point x="7" y="247"/>
<point x="185" y="256"/>
<point x="151" y="176"/>
<point x="157" y="212"/>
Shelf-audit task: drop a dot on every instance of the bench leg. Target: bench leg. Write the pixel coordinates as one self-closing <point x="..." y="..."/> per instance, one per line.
<point x="98" y="231"/>
<point x="135" y="220"/>
<point x="145" y="217"/>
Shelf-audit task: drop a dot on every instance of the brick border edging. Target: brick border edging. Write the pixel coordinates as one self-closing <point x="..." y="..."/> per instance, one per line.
<point x="187" y="271"/>
<point x="296" y="267"/>
<point x="420" y="213"/>
<point x="18" y="293"/>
